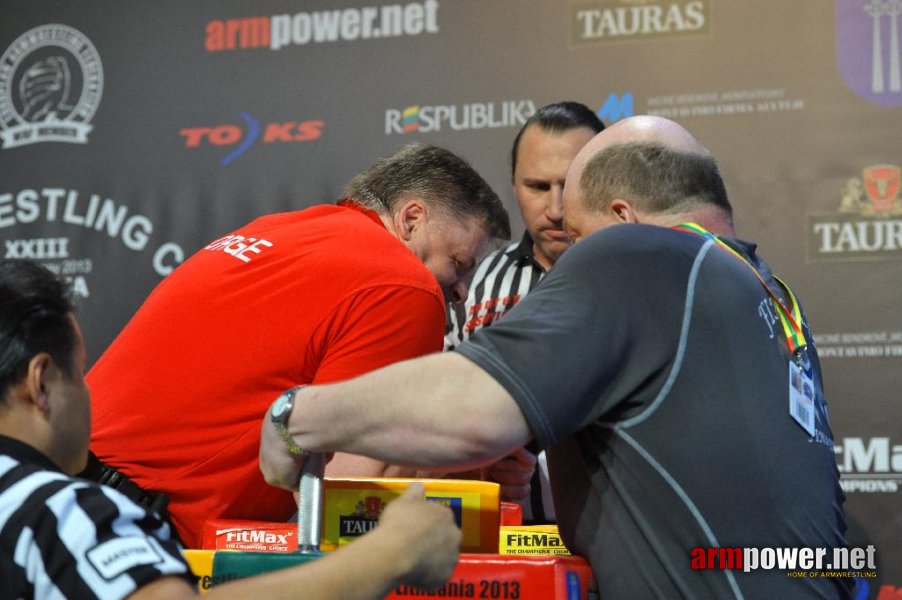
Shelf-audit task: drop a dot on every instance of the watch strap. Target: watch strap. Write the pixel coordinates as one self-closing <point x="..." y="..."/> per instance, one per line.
<point x="281" y="423"/>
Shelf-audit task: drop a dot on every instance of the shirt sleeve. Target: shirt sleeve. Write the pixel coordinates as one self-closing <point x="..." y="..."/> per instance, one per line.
<point x="376" y="327"/>
<point x="574" y="350"/>
<point x="95" y="539"/>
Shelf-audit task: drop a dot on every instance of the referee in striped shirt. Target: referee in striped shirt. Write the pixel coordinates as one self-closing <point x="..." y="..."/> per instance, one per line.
<point x="62" y="537"/>
<point x="540" y="157"/>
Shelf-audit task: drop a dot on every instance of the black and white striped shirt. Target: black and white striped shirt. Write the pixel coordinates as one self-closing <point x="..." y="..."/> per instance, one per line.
<point x="62" y="537"/>
<point x="500" y="280"/>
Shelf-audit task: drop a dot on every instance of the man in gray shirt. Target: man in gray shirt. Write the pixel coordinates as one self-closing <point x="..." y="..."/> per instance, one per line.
<point x="655" y="364"/>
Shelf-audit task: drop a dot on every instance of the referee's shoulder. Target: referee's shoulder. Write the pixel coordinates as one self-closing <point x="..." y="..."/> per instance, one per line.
<point x="506" y="252"/>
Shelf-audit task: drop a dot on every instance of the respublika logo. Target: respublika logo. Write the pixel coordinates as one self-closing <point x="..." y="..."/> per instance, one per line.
<point x="612" y="20"/>
<point x="867" y="48"/>
<point x="458" y="117"/>
<point x="231" y="134"/>
<point x="870" y="465"/>
<point x="340" y="25"/>
<point x="616" y="107"/>
<point x="51" y="80"/>
<point x="868" y="224"/>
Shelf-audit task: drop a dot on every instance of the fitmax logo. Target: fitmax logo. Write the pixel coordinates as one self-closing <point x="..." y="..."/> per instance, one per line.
<point x="232" y="134"/>
<point x="616" y="107"/>
<point x="869" y="464"/>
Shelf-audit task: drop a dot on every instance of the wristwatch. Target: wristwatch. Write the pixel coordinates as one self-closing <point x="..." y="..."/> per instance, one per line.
<point x="279" y="413"/>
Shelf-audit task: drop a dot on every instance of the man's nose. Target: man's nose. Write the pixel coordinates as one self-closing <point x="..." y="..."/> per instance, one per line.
<point x="457" y="293"/>
<point x="555" y="208"/>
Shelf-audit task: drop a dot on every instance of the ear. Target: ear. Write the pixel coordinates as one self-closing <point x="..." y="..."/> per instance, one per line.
<point x="410" y="215"/>
<point x="624" y="211"/>
<point x="37" y="381"/>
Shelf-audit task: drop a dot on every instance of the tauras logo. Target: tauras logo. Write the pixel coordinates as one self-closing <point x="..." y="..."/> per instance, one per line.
<point x="364" y="518"/>
<point x="868" y="224"/>
<point x="869" y="464"/>
<point x="51" y="80"/>
<point x="609" y="20"/>
<point x="458" y="117"/>
<point x="356" y="526"/>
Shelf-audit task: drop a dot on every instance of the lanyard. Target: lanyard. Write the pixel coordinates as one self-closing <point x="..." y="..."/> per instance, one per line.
<point x="790" y="318"/>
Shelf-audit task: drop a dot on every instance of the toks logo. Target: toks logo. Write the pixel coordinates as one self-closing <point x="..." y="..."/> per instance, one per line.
<point x="868" y="224"/>
<point x="869" y="464"/>
<point x="230" y="134"/>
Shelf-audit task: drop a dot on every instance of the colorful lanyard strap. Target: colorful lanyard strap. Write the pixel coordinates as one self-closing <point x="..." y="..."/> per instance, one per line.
<point x="790" y="318"/>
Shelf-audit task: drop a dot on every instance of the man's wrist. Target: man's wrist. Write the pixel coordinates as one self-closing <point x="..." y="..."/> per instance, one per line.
<point x="279" y="413"/>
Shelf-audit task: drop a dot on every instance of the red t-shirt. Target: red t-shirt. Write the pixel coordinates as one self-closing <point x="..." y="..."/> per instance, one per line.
<point x="312" y="296"/>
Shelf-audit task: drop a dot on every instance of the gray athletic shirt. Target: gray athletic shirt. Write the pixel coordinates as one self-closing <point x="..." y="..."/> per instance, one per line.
<point x="649" y="364"/>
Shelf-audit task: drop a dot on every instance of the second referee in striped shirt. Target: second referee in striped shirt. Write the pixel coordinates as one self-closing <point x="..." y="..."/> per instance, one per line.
<point x="540" y="157"/>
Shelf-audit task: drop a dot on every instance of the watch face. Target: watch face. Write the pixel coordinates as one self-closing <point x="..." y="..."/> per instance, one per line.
<point x="279" y="407"/>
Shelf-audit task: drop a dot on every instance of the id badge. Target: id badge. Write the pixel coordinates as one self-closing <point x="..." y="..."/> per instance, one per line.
<point x="801" y="398"/>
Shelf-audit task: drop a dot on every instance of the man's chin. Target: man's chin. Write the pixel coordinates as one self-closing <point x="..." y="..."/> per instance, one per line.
<point x="553" y="249"/>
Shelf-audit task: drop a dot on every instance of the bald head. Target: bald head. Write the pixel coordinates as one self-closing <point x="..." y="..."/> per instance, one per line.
<point x="652" y="167"/>
<point x="647" y="129"/>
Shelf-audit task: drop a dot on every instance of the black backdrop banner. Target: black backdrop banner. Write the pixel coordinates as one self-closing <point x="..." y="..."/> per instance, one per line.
<point x="131" y="134"/>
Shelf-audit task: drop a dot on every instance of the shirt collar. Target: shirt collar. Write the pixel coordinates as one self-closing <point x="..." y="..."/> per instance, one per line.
<point x="523" y="252"/>
<point x="25" y="453"/>
<point x="354" y="205"/>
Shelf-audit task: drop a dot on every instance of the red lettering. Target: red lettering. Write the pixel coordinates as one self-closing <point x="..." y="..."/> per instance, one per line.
<point x="214" y="40"/>
<point x="252" y="32"/>
<point x="309" y="130"/>
<point x="193" y="135"/>
<point x="698" y="558"/>
<point x="889" y="592"/>
<point x="474" y="310"/>
<point x="224" y="135"/>
<point x="289" y="131"/>
<point x="278" y="132"/>
<point x="232" y="26"/>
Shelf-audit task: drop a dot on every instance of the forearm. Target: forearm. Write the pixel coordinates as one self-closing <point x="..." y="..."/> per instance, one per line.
<point x="438" y="410"/>
<point x="354" y="465"/>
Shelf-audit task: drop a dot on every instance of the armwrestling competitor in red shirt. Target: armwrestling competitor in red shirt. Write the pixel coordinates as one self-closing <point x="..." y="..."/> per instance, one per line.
<point x="313" y="296"/>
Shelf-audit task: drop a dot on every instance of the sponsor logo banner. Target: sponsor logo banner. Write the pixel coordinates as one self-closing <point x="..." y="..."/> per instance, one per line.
<point x="51" y="81"/>
<point x="862" y="344"/>
<point x="616" y="20"/>
<point x="92" y="212"/>
<point x="323" y="26"/>
<point x="728" y="103"/>
<point x="868" y="223"/>
<point x="240" y="137"/>
<point x="869" y="465"/>
<point x="616" y="107"/>
<point x="867" y="49"/>
<point x="458" y="117"/>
